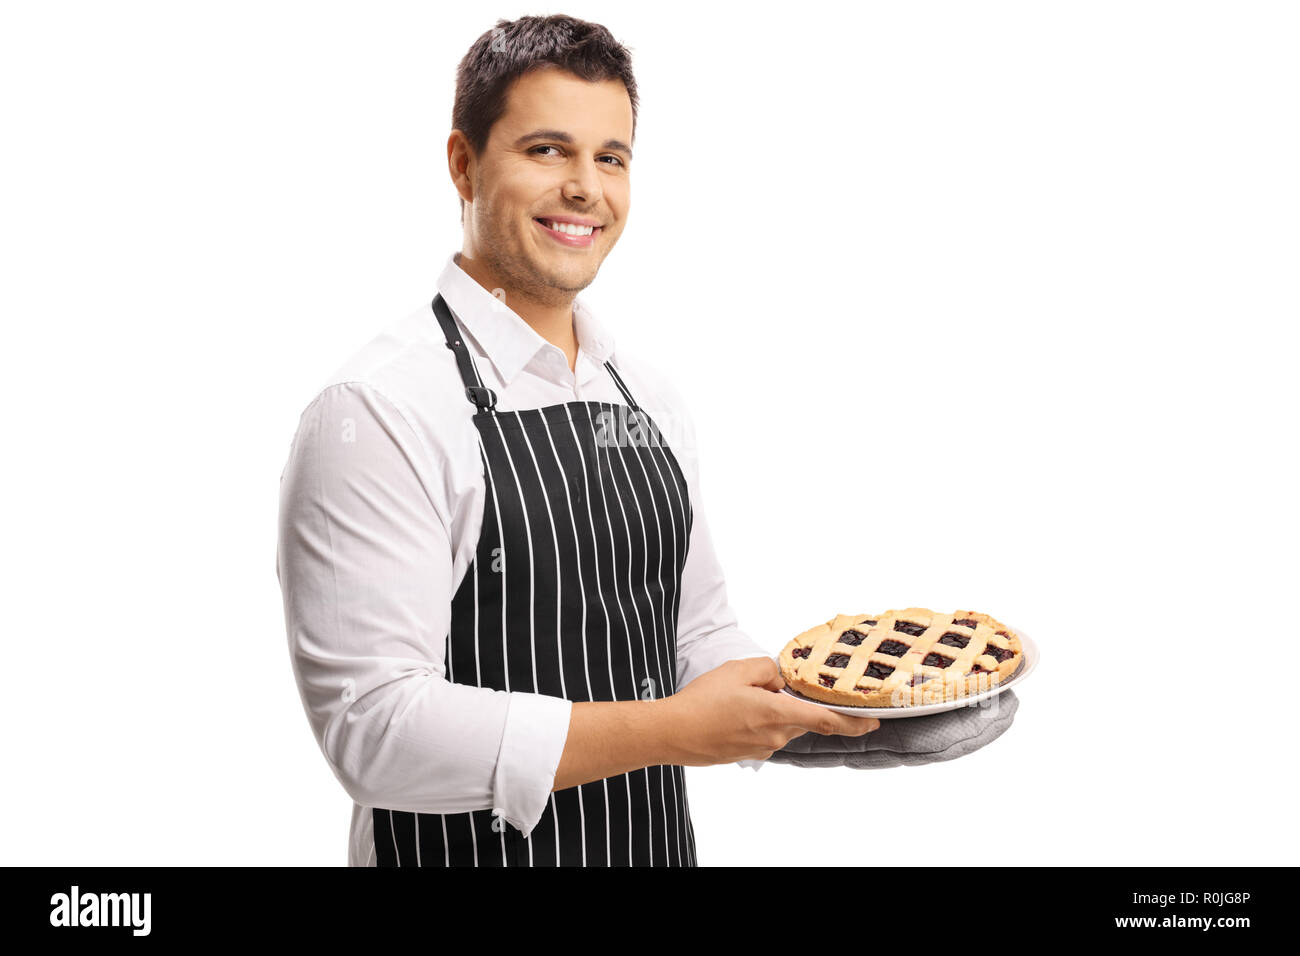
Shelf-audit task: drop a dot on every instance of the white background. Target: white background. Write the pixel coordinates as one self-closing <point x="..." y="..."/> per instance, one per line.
<point x="977" y="305"/>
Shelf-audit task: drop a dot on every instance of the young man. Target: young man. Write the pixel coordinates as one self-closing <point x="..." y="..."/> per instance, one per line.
<point x="506" y="617"/>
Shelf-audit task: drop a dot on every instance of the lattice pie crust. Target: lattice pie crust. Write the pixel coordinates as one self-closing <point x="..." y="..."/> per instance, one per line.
<point x="900" y="658"/>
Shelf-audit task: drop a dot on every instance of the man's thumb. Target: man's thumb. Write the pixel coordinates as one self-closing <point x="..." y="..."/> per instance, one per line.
<point x="761" y="672"/>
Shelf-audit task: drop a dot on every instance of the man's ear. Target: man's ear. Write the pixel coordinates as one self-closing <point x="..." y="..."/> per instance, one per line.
<point x="460" y="166"/>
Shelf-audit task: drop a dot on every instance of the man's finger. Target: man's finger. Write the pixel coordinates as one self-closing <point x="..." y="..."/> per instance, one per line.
<point x="856" y="726"/>
<point x="819" y="720"/>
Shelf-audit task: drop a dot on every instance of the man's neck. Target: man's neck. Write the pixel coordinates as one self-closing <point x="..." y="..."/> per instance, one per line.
<point x="553" y="322"/>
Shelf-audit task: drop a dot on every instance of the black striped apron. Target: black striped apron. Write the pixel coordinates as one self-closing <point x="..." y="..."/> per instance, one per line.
<point x="573" y="592"/>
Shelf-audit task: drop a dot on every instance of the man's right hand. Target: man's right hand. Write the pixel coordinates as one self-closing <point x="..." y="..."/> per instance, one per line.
<point x="734" y="712"/>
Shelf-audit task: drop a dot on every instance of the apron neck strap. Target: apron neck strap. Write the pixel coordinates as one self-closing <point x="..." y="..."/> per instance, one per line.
<point x="478" y="393"/>
<point x="622" y="386"/>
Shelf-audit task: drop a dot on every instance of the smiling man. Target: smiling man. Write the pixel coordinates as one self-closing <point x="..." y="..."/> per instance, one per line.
<point x="505" y="614"/>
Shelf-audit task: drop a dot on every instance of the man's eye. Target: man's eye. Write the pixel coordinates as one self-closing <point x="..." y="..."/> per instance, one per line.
<point x="618" y="160"/>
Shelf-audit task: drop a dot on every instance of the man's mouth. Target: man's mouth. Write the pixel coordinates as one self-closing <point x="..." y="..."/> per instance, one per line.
<point x="572" y="234"/>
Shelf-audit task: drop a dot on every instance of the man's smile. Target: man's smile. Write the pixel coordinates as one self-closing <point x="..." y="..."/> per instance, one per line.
<point x="575" y="232"/>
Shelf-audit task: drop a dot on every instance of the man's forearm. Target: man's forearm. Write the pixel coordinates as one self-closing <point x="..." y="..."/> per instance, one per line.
<point x="612" y="737"/>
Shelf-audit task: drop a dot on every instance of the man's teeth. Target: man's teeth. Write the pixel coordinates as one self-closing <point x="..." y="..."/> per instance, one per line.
<point x="568" y="228"/>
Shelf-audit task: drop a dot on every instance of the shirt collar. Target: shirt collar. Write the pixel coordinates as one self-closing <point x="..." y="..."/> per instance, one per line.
<point x="507" y="340"/>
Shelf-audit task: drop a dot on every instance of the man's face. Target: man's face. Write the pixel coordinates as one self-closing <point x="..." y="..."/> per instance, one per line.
<point x="559" y="152"/>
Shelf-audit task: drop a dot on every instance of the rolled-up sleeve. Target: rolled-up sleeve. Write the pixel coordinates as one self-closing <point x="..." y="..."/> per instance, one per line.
<point x="365" y="563"/>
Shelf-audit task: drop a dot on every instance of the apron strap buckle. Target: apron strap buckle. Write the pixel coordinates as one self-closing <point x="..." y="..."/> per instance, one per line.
<point x="482" y="396"/>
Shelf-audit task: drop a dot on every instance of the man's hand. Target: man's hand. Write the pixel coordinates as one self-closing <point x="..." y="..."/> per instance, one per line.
<point x="733" y="713"/>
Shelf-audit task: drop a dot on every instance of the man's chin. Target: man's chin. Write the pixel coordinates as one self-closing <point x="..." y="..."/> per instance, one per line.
<point x="570" y="280"/>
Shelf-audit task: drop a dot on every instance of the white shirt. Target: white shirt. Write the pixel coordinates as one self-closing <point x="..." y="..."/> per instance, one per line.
<point x="381" y="502"/>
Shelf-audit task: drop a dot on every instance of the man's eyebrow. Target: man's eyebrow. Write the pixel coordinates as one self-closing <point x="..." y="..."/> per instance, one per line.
<point x="560" y="136"/>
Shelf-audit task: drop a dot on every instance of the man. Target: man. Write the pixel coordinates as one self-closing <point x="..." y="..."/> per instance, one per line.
<point x="506" y="617"/>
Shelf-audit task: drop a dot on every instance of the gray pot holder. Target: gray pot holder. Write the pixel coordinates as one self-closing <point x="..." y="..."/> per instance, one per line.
<point x="907" y="741"/>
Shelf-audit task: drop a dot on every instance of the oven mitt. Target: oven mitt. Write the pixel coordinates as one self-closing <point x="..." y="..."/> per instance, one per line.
<point x="906" y="741"/>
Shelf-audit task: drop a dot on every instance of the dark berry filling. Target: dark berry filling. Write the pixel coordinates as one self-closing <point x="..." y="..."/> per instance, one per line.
<point x="801" y="652"/>
<point x="907" y="627"/>
<point x="1004" y="634"/>
<point x="879" y="671"/>
<point x="852" y="638"/>
<point x="836" y="660"/>
<point x="892" y="648"/>
<point x="976" y="669"/>
<point x="826" y="680"/>
<point x="872" y="623"/>
<point x="937" y="660"/>
<point x="999" y="654"/>
<point x="966" y="622"/>
<point x="953" y="639"/>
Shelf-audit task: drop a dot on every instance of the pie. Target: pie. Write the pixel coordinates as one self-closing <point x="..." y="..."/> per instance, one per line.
<point x="901" y="658"/>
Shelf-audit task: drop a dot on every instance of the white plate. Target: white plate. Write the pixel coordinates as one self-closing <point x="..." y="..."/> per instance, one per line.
<point x="1027" y="664"/>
